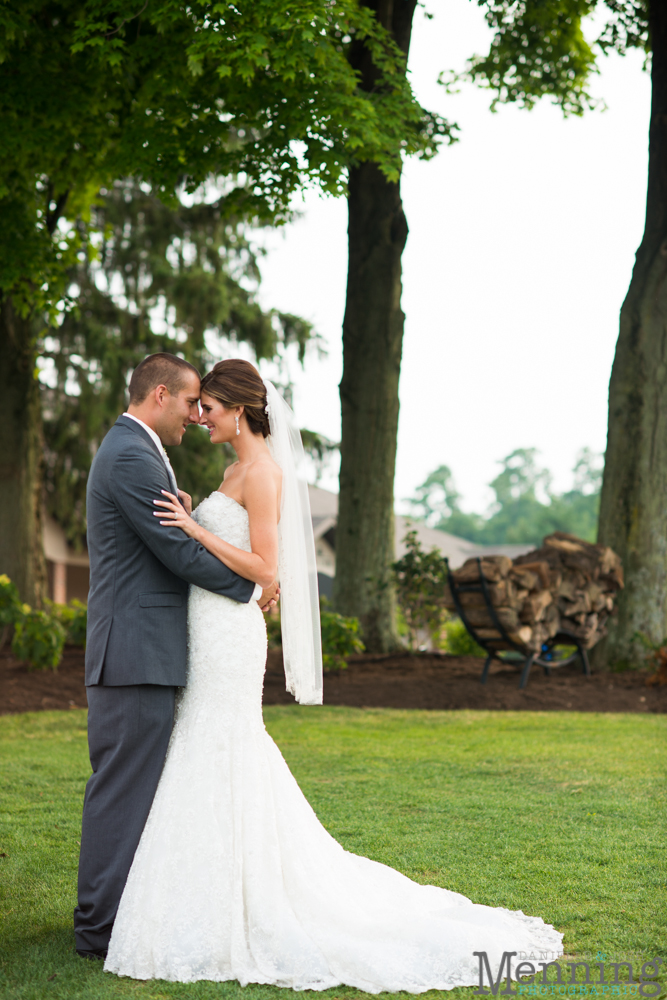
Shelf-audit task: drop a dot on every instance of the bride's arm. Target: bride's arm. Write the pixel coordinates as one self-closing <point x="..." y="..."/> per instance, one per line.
<point x="260" y="495"/>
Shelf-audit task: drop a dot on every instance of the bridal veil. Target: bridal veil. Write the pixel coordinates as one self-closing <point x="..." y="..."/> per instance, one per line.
<point x="297" y="568"/>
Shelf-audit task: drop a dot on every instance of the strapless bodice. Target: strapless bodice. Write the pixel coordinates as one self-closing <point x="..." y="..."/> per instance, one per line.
<point x="226" y="518"/>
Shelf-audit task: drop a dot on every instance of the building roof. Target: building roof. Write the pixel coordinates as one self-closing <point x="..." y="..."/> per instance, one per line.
<point x="324" y="510"/>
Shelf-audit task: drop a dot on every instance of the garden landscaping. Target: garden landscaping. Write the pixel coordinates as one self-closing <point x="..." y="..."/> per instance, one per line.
<point x="419" y="680"/>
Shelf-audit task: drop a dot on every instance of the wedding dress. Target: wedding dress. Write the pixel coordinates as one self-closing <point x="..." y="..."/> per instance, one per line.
<point x="236" y="879"/>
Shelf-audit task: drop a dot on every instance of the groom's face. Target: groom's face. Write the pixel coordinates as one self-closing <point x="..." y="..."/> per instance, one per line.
<point x="178" y="411"/>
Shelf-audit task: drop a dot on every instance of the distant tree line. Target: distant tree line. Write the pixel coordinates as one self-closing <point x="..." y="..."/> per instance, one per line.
<point x="525" y="508"/>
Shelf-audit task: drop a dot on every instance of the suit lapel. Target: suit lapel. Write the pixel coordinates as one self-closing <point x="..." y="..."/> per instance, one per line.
<point x="138" y="429"/>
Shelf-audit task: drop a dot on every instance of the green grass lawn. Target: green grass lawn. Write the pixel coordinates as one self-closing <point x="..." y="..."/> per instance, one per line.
<point x="557" y="814"/>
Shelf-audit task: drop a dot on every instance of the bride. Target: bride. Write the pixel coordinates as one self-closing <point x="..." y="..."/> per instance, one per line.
<point x="234" y="877"/>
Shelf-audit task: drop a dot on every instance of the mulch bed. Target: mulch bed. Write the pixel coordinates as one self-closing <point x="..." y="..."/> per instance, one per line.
<point x="405" y="681"/>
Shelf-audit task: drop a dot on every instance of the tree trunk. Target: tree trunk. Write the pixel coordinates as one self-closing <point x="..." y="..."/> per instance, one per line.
<point x="372" y="347"/>
<point x="372" y="344"/>
<point x="633" y="513"/>
<point x="21" y="457"/>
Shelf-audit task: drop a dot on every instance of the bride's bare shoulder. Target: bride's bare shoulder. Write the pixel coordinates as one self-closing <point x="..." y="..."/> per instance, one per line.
<point x="272" y="467"/>
<point x="262" y="471"/>
<point x="262" y="485"/>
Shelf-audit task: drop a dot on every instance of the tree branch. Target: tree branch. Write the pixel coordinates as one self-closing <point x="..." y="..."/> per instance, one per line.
<point x="52" y="217"/>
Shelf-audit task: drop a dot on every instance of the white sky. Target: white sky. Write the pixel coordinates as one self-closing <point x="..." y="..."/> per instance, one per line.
<point x="522" y="241"/>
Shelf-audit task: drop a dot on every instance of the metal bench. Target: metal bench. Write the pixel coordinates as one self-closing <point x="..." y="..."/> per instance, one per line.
<point x="549" y="656"/>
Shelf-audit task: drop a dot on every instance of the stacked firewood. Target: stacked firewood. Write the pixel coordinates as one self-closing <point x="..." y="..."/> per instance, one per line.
<point x="565" y="586"/>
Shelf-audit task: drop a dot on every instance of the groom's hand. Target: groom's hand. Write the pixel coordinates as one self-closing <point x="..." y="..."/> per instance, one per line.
<point x="186" y="500"/>
<point x="269" y="597"/>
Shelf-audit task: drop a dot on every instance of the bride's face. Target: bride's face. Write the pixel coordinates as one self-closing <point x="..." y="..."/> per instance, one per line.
<point x="221" y="423"/>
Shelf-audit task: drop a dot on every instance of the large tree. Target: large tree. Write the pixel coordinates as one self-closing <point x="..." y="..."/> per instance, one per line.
<point x="539" y="48"/>
<point x="633" y="512"/>
<point x="260" y="92"/>
<point x="372" y="348"/>
<point x="373" y="322"/>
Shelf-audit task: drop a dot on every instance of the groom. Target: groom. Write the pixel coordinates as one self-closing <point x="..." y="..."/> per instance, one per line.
<point x="137" y="622"/>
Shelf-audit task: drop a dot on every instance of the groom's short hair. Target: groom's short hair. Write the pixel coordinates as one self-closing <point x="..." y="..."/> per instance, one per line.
<point x="159" y="369"/>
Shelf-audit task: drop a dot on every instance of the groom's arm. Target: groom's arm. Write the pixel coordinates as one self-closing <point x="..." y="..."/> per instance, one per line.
<point x="136" y="481"/>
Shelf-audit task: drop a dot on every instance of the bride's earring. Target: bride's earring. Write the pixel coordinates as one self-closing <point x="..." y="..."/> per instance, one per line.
<point x="237" y="425"/>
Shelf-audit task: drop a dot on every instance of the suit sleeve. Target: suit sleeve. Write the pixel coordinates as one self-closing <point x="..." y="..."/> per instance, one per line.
<point x="136" y="480"/>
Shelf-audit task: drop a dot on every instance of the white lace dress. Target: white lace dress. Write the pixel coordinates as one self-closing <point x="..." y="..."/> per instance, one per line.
<point x="236" y="879"/>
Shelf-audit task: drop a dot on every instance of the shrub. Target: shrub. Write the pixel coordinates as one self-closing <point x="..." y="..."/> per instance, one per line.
<point x="273" y="632"/>
<point x="656" y="657"/>
<point x="458" y="641"/>
<point x="73" y="617"/>
<point x="39" y="638"/>
<point x="401" y="625"/>
<point x="421" y="578"/>
<point x="340" y="636"/>
<point x="10" y="602"/>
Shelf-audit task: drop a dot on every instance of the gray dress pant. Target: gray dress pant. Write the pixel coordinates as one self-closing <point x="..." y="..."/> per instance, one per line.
<point x="128" y="734"/>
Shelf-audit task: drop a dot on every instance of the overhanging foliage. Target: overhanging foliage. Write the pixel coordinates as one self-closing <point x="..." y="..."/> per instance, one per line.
<point x="174" y="94"/>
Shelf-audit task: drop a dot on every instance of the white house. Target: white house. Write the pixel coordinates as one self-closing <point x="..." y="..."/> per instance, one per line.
<point x="68" y="573"/>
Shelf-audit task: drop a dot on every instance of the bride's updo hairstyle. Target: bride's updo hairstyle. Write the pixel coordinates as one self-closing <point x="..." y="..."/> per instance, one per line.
<point x="238" y="383"/>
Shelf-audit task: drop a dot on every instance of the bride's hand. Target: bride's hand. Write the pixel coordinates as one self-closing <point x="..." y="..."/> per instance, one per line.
<point x="175" y="514"/>
<point x="186" y="500"/>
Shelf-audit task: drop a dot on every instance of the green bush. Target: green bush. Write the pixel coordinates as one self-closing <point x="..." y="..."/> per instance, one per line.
<point x="39" y="638"/>
<point x="402" y="625"/>
<point x="10" y="602"/>
<point x="457" y="641"/>
<point x="273" y="632"/>
<point x="340" y="636"/>
<point x="421" y="578"/>
<point x="73" y="617"/>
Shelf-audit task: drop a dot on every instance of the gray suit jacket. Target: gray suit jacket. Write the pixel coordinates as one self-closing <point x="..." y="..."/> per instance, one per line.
<point x="140" y="569"/>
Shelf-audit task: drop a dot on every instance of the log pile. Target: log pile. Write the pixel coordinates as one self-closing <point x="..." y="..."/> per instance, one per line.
<point x="566" y="586"/>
